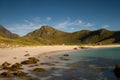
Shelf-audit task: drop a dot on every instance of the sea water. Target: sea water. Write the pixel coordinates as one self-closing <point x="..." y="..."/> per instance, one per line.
<point x="107" y="53"/>
<point x="90" y="64"/>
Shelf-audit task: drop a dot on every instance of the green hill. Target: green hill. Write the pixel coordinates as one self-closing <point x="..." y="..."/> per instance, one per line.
<point x="9" y="39"/>
<point x="47" y="35"/>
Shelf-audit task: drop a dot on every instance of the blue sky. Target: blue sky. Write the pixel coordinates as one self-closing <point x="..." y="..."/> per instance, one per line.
<point x="23" y="16"/>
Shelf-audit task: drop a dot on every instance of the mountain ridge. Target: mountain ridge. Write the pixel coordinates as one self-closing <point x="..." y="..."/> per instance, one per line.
<point x="48" y="35"/>
<point x="54" y="36"/>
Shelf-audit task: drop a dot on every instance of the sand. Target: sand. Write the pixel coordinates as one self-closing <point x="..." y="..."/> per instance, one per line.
<point x="103" y="46"/>
<point x="13" y="55"/>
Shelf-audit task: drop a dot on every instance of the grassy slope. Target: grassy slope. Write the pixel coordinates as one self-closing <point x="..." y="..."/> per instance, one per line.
<point x="5" y="42"/>
<point x="47" y="35"/>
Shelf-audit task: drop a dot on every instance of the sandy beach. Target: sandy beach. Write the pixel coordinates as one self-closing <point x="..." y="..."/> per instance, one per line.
<point x="103" y="46"/>
<point x="13" y="55"/>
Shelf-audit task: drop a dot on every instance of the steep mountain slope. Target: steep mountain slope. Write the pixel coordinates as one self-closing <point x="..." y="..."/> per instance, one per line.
<point x="98" y="36"/>
<point x="6" y="33"/>
<point x="46" y="35"/>
<point x="102" y="36"/>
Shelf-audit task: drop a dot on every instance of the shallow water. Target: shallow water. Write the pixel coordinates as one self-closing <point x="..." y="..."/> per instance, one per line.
<point x="87" y="64"/>
<point x="107" y="53"/>
<point x="90" y="64"/>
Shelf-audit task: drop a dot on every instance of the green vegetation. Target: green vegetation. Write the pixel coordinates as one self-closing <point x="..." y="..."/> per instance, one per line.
<point x="47" y="35"/>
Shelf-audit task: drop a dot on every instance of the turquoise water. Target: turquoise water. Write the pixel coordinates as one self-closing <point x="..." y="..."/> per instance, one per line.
<point x="107" y="53"/>
<point x="90" y="64"/>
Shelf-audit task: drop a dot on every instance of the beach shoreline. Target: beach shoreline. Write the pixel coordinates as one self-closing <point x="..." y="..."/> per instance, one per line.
<point x="18" y="54"/>
<point x="14" y="55"/>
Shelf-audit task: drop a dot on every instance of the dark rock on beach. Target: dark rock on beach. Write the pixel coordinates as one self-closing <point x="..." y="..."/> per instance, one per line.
<point x="39" y="70"/>
<point x="49" y="64"/>
<point x="6" y="64"/>
<point x="13" y="74"/>
<point x="6" y="68"/>
<point x="83" y="47"/>
<point x="16" y="66"/>
<point x="75" y="48"/>
<point x="14" y="57"/>
<point x="66" y="55"/>
<point x="27" y="55"/>
<point x="20" y="74"/>
<point x="31" y="60"/>
<point x="31" y="79"/>
<point x="117" y="70"/>
<point x="65" y="59"/>
<point x="6" y="74"/>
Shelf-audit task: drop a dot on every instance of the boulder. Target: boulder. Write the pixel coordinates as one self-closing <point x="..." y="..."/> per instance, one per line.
<point x="83" y="47"/>
<point x="31" y="78"/>
<point x="27" y="55"/>
<point x="75" y="48"/>
<point x="117" y="70"/>
<point x="6" y="74"/>
<point x="6" y="64"/>
<point x="39" y="70"/>
<point x="31" y="60"/>
<point x="16" y="66"/>
<point x="66" y="55"/>
<point x="20" y="73"/>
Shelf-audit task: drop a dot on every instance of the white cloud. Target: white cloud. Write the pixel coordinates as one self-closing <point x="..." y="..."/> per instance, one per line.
<point x="37" y="19"/>
<point x="35" y="23"/>
<point x="88" y="25"/>
<point x="76" y="23"/>
<point x="80" y="21"/>
<point x="24" y="28"/>
<point x="72" y="28"/>
<point x="105" y="26"/>
<point x="48" y="18"/>
<point x="63" y="24"/>
<point x="28" y="25"/>
<point x="27" y="21"/>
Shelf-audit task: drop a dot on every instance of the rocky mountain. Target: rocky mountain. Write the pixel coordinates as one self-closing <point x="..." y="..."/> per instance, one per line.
<point x="49" y="35"/>
<point x="6" y="33"/>
<point x="46" y="35"/>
